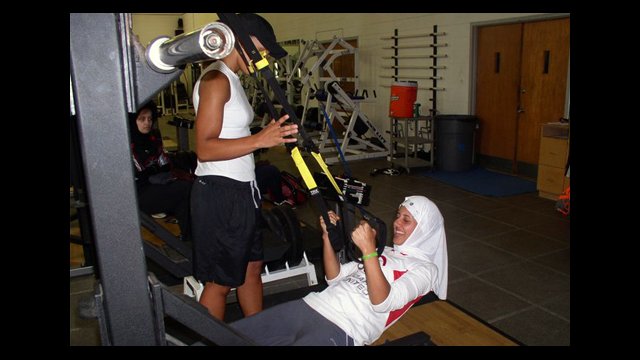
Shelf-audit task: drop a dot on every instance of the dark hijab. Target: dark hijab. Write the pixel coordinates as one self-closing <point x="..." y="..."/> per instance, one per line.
<point x="145" y="145"/>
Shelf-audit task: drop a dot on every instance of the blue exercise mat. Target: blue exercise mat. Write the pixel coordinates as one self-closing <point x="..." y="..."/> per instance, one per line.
<point x="484" y="182"/>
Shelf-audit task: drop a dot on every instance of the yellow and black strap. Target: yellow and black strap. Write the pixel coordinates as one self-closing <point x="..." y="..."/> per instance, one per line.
<point x="262" y="66"/>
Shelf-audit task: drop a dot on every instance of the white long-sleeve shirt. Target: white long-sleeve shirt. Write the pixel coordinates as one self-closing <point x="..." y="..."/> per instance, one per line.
<point x="346" y="302"/>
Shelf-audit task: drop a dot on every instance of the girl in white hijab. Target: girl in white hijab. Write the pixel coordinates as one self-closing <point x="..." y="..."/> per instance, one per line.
<point x="428" y="241"/>
<point x="363" y="299"/>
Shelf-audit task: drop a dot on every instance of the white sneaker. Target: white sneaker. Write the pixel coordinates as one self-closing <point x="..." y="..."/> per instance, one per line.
<point x="159" y="216"/>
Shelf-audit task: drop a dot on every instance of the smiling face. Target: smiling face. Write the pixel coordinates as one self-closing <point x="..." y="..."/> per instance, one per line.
<point x="403" y="226"/>
<point x="144" y="121"/>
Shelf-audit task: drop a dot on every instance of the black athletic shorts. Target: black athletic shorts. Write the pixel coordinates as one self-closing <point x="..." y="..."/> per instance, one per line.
<point x="224" y="229"/>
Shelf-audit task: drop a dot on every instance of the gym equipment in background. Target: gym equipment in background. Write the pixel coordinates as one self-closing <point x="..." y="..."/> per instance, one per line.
<point x="337" y="104"/>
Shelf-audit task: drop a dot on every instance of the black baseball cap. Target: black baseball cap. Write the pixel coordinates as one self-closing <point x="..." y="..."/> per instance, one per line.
<point x="259" y="27"/>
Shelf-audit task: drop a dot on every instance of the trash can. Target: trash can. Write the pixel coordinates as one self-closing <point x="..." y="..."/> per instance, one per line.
<point x="454" y="142"/>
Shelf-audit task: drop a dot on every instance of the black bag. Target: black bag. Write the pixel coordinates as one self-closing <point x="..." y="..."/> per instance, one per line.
<point x="184" y="160"/>
<point x="161" y="178"/>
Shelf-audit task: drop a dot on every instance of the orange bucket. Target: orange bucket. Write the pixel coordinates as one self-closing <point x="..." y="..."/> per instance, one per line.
<point x="403" y="95"/>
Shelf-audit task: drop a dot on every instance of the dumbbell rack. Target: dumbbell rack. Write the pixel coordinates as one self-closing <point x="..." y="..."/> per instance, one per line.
<point x="434" y="67"/>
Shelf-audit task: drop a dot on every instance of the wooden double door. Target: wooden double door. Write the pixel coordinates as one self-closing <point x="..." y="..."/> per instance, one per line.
<point x="522" y="74"/>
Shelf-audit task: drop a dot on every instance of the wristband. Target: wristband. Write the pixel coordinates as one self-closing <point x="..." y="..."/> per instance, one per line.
<point x="369" y="256"/>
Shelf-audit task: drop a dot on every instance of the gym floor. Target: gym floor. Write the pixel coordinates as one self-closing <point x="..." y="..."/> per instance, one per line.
<point x="509" y="257"/>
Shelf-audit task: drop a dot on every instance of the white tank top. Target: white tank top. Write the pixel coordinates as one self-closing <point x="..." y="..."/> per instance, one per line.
<point x="237" y="117"/>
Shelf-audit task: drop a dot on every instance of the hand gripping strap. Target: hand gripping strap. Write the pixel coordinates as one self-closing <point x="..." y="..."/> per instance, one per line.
<point x="335" y="235"/>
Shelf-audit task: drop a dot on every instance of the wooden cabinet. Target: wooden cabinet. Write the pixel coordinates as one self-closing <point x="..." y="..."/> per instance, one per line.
<point x="552" y="161"/>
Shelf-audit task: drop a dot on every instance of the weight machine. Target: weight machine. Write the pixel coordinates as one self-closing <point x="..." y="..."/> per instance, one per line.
<point x="110" y="76"/>
<point x="337" y="104"/>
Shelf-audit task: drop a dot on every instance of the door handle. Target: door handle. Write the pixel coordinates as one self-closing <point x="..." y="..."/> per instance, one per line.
<point x="520" y="110"/>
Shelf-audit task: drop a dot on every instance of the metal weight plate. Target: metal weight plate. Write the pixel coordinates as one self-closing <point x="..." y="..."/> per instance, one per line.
<point x="276" y="246"/>
<point x="292" y="232"/>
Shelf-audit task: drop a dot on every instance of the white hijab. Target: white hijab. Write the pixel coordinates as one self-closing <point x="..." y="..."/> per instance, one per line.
<point x="428" y="240"/>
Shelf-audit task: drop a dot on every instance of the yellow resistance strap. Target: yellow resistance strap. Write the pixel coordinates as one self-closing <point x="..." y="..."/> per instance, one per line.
<point x="306" y="174"/>
<point x="325" y="168"/>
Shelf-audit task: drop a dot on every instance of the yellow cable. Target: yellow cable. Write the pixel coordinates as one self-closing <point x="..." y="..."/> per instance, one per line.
<point x="303" y="169"/>
<point x="325" y="168"/>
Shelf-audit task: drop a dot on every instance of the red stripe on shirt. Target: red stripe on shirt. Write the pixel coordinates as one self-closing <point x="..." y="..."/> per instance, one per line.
<point x="396" y="314"/>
